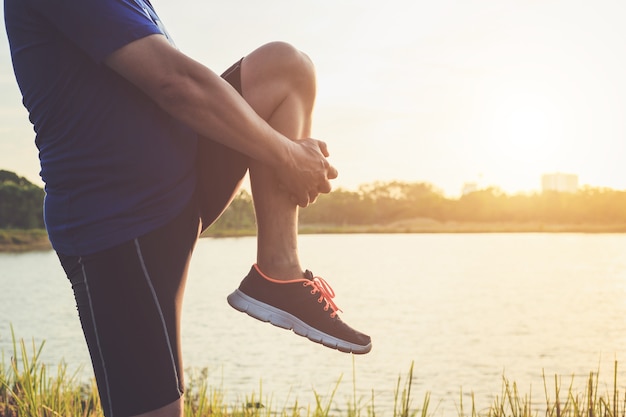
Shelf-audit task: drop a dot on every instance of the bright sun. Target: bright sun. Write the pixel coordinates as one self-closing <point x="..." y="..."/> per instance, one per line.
<point x="525" y="135"/>
<point x="529" y="127"/>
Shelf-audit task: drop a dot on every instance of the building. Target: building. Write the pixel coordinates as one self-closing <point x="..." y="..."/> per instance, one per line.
<point x="469" y="187"/>
<point x="566" y="183"/>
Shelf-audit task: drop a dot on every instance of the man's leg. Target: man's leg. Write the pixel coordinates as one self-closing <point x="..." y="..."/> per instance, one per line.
<point x="129" y="300"/>
<point x="279" y="83"/>
<point x="174" y="409"/>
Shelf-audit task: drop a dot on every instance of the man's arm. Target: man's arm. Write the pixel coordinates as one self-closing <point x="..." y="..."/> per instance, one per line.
<point x="197" y="96"/>
<point x="204" y="101"/>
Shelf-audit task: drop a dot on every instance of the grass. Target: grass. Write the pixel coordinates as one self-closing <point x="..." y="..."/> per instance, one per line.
<point x="28" y="389"/>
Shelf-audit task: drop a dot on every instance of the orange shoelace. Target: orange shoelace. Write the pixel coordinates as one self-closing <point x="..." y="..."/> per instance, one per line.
<point x="327" y="294"/>
<point x="319" y="285"/>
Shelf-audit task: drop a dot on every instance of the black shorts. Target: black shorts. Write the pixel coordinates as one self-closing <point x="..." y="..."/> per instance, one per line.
<point x="220" y="169"/>
<point x="129" y="297"/>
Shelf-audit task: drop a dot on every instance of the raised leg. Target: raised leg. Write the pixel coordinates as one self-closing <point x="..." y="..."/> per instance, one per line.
<point x="278" y="81"/>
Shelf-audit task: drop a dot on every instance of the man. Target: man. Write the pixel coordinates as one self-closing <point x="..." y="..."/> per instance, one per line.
<point x="135" y="141"/>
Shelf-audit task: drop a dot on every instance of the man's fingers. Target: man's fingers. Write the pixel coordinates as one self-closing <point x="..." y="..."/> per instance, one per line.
<point x="313" y="180"/>
<point x="323" y="148"/>
<point x="332" y="173"/>
<point x="325" y="187"/>
<point x="304" y="202"/>
<point x="301" y="200"/>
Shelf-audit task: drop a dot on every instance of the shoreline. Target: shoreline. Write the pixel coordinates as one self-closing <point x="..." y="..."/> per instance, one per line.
<point x="433" y="226"/>
<point x="18" y="241"/>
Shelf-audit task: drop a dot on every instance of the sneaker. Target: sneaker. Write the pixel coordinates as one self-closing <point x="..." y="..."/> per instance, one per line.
<point x="304" y="305"/>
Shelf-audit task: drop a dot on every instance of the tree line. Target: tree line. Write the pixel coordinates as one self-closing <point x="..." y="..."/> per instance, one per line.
<point x="379" y="203"/>
<point x="21" y="202"/>
<point x="385" y="203"/>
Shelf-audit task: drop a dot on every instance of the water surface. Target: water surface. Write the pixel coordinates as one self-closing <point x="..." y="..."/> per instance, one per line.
<point x="467" y="309"/>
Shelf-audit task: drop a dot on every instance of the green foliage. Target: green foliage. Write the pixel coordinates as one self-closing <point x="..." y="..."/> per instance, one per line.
<point x="378" y="203"/>
<point x="396" y="202"/>
<point x="27" y="389"/>
<point x="588" y="206"/>
<point x="238" y="218"/>
<point x="21" y="203"/>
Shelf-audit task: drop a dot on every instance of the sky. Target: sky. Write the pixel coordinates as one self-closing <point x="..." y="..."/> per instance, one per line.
<point x="492" y="92"/>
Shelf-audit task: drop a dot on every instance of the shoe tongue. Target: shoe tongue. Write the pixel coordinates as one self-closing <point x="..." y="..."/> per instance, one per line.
<point x="308" y="275"/>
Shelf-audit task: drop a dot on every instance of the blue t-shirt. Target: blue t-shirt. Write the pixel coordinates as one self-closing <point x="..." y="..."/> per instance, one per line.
<point x="115" y="166"/>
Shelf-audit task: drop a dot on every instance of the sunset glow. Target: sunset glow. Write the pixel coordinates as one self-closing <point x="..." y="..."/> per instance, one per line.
<point x="443" y="92"/>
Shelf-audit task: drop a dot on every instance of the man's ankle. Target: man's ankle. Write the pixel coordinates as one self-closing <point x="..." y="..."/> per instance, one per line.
<point x="281" y="271"/>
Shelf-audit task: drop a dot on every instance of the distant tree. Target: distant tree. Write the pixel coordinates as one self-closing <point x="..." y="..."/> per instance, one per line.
<point x="340" y="207"/>
<point x="238" y="216"/>
<point x="21" y="202"/>
<point x="8" y="176"/>
<point x="388" y="202"/>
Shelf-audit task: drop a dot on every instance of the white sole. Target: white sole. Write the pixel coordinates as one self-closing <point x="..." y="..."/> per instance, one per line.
<point x="269" y="314"/>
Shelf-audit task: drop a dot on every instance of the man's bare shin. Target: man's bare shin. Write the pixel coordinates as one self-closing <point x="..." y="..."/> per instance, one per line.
<point x="276" y="213"/>
<point x="277" y="226"/>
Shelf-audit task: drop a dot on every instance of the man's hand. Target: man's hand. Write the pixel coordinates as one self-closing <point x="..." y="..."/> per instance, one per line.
<point x="307" y="172"/>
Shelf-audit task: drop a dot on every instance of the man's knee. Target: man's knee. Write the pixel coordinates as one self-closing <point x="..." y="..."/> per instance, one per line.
<point x="293" y="59"/>
<point x="283" y="61"/>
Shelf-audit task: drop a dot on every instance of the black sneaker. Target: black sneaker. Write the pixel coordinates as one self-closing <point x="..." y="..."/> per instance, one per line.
<point x="304" y="305"/>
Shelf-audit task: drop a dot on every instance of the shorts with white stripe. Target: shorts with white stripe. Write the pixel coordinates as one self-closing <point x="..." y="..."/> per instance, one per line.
<point x="129" y="300"/>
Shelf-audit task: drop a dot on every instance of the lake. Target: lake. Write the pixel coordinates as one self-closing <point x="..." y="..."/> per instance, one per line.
<point x="467" y="309"/>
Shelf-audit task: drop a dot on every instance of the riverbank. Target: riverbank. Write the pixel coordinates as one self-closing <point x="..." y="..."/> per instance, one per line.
<point x="15" y="240"/>
<point x="423" y="225"/>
